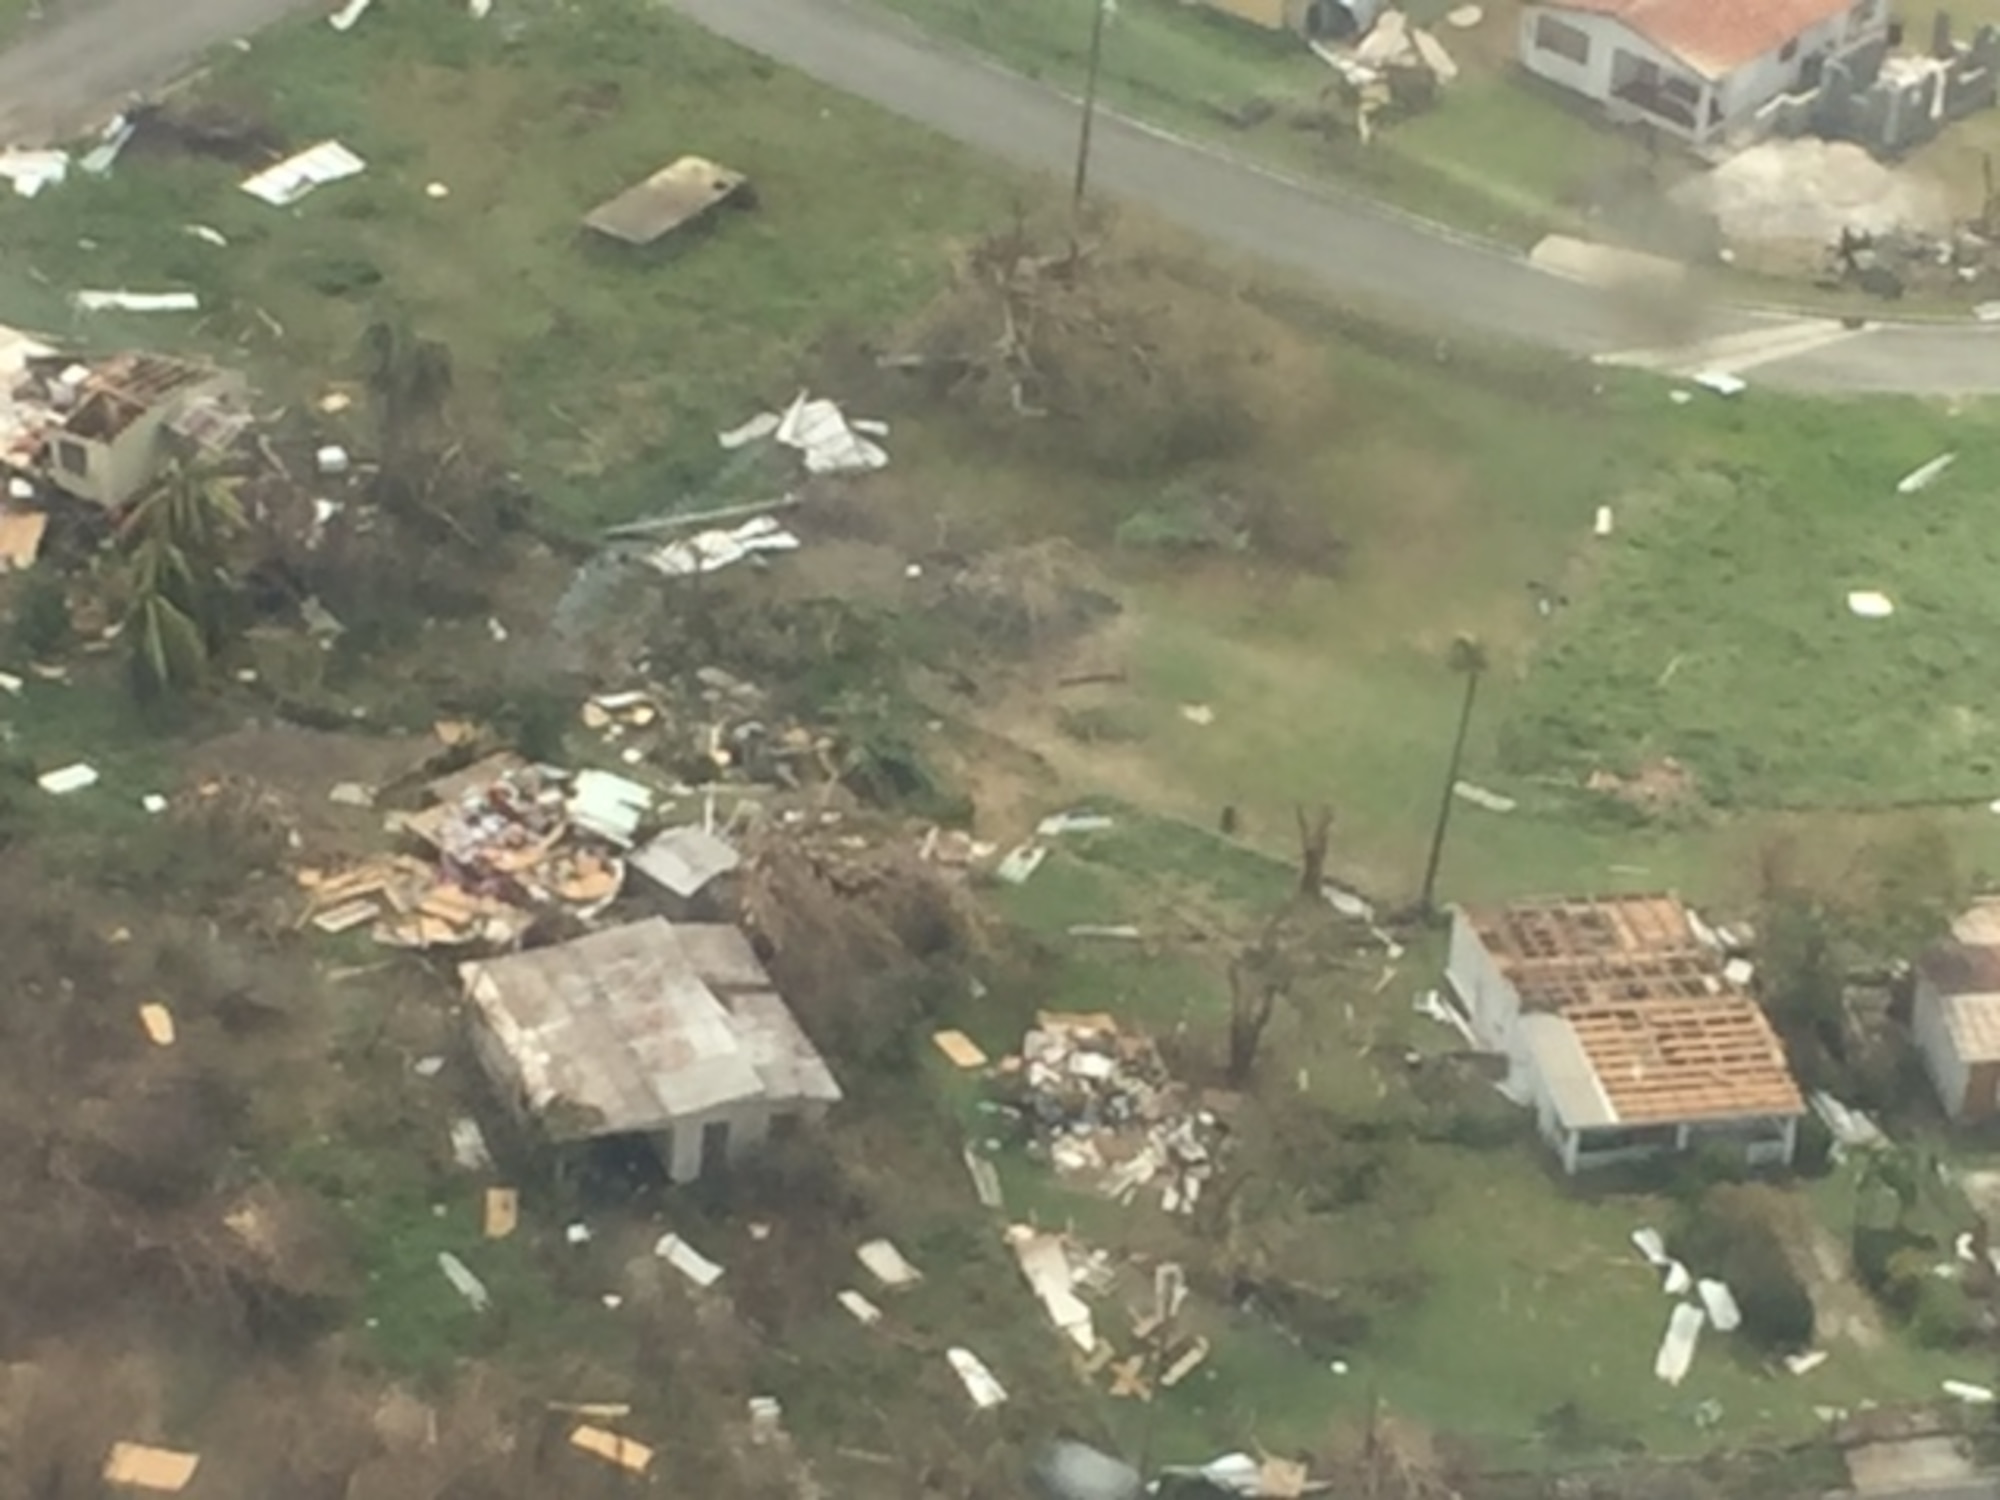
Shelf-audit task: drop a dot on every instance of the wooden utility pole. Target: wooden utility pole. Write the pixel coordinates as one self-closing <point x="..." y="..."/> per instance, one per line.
<point x="1099" y="9"/>
<point x="1470" y="661"/>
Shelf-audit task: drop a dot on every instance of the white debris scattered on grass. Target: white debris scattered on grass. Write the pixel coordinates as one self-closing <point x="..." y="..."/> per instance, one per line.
<point x="1120" y="932"/>
<point x="1925" y="475"/>
<point x="978" y="1381"/>
<point x="886" y="1264"/>
<point x="1849" y="1127"/>
<point x="437" y="192"/>
<point x="468" y="1145"/>
<point x="755" y="430"/>
<point x="114" y="138"/>
<point x="291" y="179"/>
<point x="985" y="1179"/>
<point x="428" y="1067"/>
<point x="1198" y="713"/>
<point x="710" y="551"/>
<point x="1020" y="863"/>
<point x="577" y="1233"/>
<point x="687" y="1260"/>
<point x="1805" y="1363"/>
<point x="1870" y="604"/>
<point x="1602" y="525"/>
<point x="1347" y="903"/>
<point x="350" y="794"/>
<point x="1987" y="312"/>
<point x="31" y="171"/>
<point x="1464" y="17"/>
<point x="67" y="779"/>
<point x="480" y="9"/>
<point x="1057" y="824"/>
<point x="1972" y="1395"/>
<point x="1677" y="1280"/>
<point x="12" y="685"/>
<point x="1676" y="1354"/>
<point x="1721" y="382"/>
<point x="137" y="302"/>
<point x="1739" y="972"/>
<point x="344" y="18"/>
<point x="1044" y="1261"/>
<point x="207" y="235"/>
<point x="467" y="1285"/>
<point x="865" y="1312"/>
<point x="1649" y="1244"/>
<point x="1431" y="1003"/>
<point x="1479" y="796"/>
<point x="153" y="803"/>
<point x="1724" y="1316"/>
<point x="831" y="445"/>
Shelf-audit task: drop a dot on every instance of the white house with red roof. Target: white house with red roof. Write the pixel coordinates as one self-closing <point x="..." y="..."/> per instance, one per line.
<point x="1694" y="69"/>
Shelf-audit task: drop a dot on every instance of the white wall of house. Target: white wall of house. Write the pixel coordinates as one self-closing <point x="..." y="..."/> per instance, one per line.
<point x="1950" y="1073"/>
<point x="750" y="1123"/>
<point x="1550" y="39"/>
<point x="1486" y="996"/>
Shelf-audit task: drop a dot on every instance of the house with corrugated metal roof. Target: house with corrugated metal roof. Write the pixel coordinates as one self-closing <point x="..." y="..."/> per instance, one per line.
<point x="1955" y="1014"/>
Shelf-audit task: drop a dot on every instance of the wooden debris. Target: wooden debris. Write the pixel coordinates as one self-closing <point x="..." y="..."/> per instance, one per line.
<point x="602" y="1443"/>
<point x="1128" y="1378"/>
<point x="159" y="1024"/>
<point x="149" y="1468"/>
<point x="960" y="1048"/>
<point x="1188" y="1361"/>
<point x="503" y="1212"/>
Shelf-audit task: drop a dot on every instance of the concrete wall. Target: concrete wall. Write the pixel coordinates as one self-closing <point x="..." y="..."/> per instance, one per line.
<point x="118" y="471"/>
<point x="750" y="1123"/>
<point x="1949" y="1074"/>
<point x="1591" y="77"/>
<point x="1484" y="993"/>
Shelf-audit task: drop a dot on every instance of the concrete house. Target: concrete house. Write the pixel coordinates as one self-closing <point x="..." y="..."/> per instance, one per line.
<point x="1314" y="18"/>
<point x="668" y="1032"/>
<point x="1955" y="1015"/>
<point x="1694" y="69"/>
<point x="1622" y="1031"/>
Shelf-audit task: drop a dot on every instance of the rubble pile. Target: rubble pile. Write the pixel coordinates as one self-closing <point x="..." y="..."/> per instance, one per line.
<point x="721" y="729"/>
<point x="1100" y="1103"/>
<point x="505" y="841"/>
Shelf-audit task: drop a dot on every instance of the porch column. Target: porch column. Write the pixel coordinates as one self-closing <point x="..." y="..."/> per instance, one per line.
<point x="1704" y="103"/>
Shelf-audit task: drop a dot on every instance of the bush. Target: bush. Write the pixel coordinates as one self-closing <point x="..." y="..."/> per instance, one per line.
<point x="1730" y="1235"/>
<point x="1944" y="1316"/>
<point x="41" y="617"/>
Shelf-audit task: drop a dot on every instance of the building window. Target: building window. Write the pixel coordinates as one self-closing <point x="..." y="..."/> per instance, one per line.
<point x="1563" y="39"/>
<point x="72" y="456"/>
<point x="1789" y="51"/>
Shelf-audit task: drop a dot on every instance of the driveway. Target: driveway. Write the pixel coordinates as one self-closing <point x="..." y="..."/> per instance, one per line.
<point x="89" y="55"/>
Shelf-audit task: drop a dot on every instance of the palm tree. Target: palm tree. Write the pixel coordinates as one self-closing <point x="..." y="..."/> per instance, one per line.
<point x="178" y="537"/>
<point x="1468" y="659"/>
<point x="410" y="380"/>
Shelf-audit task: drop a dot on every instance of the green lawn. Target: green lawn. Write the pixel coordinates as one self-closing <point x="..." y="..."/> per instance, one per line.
<point x="605" y="375"/>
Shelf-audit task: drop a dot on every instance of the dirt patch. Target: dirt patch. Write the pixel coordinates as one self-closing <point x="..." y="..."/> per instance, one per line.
<point x="1659" y="786"/>
<point x="301" y="766"/>
<point x="1807" y="191"/>
<point x="1842" y="1309"/>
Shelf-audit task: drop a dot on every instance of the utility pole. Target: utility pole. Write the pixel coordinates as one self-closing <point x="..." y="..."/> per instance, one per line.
<point x="1099" y="10"/>
<point x="1470" y="661"/>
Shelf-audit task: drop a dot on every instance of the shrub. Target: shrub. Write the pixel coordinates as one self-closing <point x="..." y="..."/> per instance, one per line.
<point x="1943" y="1317"/>
<point x="41" y="617"/>
<point x="1729" y="1235"/>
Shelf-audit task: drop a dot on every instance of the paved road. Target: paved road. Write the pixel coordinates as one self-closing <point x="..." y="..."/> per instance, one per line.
<point x="91" y="54"/>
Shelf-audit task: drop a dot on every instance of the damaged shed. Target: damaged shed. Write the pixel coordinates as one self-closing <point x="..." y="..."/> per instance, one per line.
<point x="671" y="199"/>
<point x="670" y="1033"/>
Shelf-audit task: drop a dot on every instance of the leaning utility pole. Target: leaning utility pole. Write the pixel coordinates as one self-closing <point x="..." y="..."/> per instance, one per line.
<point x="1099" y="9"/>
<point x="1469" y="660"/>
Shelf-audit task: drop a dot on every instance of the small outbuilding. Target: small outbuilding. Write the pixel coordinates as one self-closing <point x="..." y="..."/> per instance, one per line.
<point x="668" y="201"/>
<point x="667" y="1032"/>
<point x="1955" y="1015"/>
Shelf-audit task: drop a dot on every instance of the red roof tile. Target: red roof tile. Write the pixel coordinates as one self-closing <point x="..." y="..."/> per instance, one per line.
<point x="1714" y="37"/>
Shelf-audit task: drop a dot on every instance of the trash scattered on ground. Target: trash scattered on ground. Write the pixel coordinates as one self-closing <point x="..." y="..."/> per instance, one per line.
<point x="1721" y="382"/>
<point x="207" y="235"/>
<point x="1097" y="1101"/>
<point x="1806" y="1362"/>
<point x="1677" y="1348"/>
<point x="865" y="1312"/>
<point x="137" y="302"/>
<point x="689" y="1261"/>
<point x="1464" y="17"/>
<point x="831" y="444"/>
<point x="1649" y="1244"/>
<point x="1851" y="1128"/>
<point x="12" y="685"/>
<point x="350" y="794"/>
<point x="978" y="1381"/>
<point x="67" y="779"/>
<point x="1123" y="932"/>
<point x="1972" y="1395"/>
<point x="503" y="1212"/>
<point x="292" y="179"/>
<point x="1198" y="713"/>
<point x="576" y="1233"/>
<point x="344" y="18"/>
<point x="1055" y="825"/>
<point x="985" y="1179"/>
<point x="1347" y="903"/>
<point x="31" y="171"/>
<point x="153" y="803"/>
<point x="1020" y="864"/>
<point x="1723" y="1314"/>
<point x="1602" y="525"/>
<point x="1678" y="1280"/>
<point x="467" y="1285"/>
<point x="711" y="551"/>
<point x="602" y="1443"/>
<point x="1868" y="604"/>
<point x="1925" y="475"/>
<point x="885" y="1263"/>
<point x="767" y="1418"/>
<point x="158" y="1022"/>
<point x="611" y="807"/>
<point x="1431" y="1003"/>
<point x="1479" y="796"/>
<point x="148" y="1468"/>
<point x="1045" y="1262"/>
<point x="21" y="533"/>
<point x="468" y="1145"/>
<point x="686" y="861"/>
<point x="960" y="1048"/>
<point x="759" y="427"/>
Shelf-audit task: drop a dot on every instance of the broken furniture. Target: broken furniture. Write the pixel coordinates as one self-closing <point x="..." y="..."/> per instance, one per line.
<point x="671" y="1034"/>
<point x="672" y="198"/>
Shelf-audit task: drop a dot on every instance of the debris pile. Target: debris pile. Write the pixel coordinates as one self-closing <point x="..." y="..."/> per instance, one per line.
<point x="1099" y="1103"/>
<point x="505" y="840"/>
<point x="721" y="729"/>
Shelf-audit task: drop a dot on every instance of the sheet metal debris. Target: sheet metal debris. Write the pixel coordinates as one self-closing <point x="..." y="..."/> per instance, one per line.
<point x="1870" y="604"/>
<point x="864" y="1312"/>
<point x="1925" y="475"/>
<point x="1055" y="825"/>
<point x="21" y="533"/>
<point x="711" y="551"/>
<point x="1097" y="1101"/>
<point x="1721" y="382"/>
<point x="67" y="779"/>
<point x="985" y="1179"/>
<point x="600" y="1442"/>
<point x="468" y="1145"/>
<point x="1020" y="863"/>
<point x="158" y="1022"/>
<point x="1805" y="1363"/>
<point x="31" y="171"/>
<point x="1677" y="1347"/>
<point x="1045" y="1262"/>
<point x="985" y="1391"/>
<point x="293" y="178"/>
<point x="886" y="1264"/>
<point x="137" y="302"/>
<point x="1479" y="796"/>
<point x="819" y="429"/>
<point x="467" y="1285"/>
<point x="144" y="1467"/>
<point x="503" y="1212"/>
<point x="344" y="18"/>
<point x="1723" y="1314"/>
<point x="686" y="861"/>
<point x="687" y="1260"/>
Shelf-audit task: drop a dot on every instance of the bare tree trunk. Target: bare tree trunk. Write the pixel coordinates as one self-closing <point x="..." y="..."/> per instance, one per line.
<point x="1314" y="833"/>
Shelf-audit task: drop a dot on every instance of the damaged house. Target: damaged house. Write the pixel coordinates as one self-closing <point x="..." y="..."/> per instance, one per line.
<point x="1622" y="1030"/>
<point x="100" y="430"/>
<point x="1693" y="69"/>
<point x="672" y="1034"/>
<point x="1955" y="1015"/>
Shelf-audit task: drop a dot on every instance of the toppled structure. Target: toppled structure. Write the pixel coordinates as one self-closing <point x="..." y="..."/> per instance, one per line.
<point x="1099" y="1102"/>
<point x="100" y="430"/>
<point x="679" y="194"/>
<point x="505" y="840"/>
